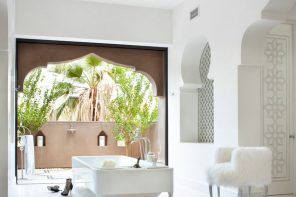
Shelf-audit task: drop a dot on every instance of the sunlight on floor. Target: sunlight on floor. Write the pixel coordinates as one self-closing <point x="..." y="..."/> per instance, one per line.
<point x="46" y="176"/>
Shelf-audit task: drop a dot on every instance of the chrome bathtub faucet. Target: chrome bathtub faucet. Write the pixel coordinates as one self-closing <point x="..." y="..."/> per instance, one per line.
<point x="144" y="144"/>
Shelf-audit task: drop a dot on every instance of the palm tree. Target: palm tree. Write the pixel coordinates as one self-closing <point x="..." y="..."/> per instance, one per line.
<point x="103" y="91"/>
<point x="86" y="101"/>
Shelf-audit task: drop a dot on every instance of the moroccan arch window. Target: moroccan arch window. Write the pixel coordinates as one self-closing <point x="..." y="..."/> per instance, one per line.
<point x="149" y="60"/>
<point x="83" y="128"/>
<point x="84" y="90"/>
<point x="205" y="100"/>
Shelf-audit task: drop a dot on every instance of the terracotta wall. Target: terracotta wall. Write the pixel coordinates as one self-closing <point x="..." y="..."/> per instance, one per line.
<point x="61" y="145"/>
<point x="32" y="54"/>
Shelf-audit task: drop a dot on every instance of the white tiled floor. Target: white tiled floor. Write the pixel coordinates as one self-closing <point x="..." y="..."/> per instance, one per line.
<point x="40" y="190"/>
<point x="46" y="176"/>
<point x="29" y="188"/>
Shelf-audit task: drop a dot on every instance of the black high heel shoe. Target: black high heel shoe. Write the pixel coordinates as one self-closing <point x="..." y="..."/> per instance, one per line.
<point x="55" y="188"/>
<point x="68" y="188"/>
<point x="137" y="165"/>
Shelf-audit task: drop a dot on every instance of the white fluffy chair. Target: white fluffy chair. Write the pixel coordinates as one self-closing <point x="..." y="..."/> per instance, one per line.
<point x="239" y="167"/>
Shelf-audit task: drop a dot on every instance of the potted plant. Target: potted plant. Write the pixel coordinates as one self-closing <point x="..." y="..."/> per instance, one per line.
<point x="134" y="106"/>
<point x="34" y="106"/>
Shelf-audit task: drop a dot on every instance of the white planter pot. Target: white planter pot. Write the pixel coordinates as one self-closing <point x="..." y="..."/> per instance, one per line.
<point x="121" y="143"/>
<point x="29" y="155"/>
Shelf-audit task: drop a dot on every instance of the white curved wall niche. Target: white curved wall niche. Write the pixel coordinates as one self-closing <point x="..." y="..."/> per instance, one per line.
<point x="196" y="94"/>
<point x="190" y="61"/>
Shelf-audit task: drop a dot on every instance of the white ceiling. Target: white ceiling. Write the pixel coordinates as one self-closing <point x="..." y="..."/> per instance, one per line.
<point x="163" y="4"/>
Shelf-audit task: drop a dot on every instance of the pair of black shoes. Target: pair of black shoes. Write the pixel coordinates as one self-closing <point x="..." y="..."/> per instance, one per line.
<point x="67" y="190"/>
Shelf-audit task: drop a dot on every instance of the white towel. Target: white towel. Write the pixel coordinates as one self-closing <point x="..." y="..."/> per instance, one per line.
<point x="29" y="155"/>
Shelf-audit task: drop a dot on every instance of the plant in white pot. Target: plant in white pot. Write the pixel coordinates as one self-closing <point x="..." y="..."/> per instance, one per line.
<point x="34" y="106"/>
<point x="134" y="107"/>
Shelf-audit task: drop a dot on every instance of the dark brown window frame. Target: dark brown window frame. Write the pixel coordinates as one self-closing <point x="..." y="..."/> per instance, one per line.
<point x="74" y="43"/>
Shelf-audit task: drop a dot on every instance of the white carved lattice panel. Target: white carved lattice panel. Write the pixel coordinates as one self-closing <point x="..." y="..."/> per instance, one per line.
<point x="205" y="100"/>
<point x="276" y="102"/>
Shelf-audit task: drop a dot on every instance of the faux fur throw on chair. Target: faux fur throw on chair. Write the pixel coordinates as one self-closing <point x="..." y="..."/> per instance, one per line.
<point x="242" y="166"/>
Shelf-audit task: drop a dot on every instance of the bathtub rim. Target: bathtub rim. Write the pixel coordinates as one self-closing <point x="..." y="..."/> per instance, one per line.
<point x="125" y="168"/>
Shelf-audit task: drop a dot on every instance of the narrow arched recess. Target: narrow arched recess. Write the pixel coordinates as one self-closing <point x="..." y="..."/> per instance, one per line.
<point x="205" y="100"/>
<point x="196" y="94"/>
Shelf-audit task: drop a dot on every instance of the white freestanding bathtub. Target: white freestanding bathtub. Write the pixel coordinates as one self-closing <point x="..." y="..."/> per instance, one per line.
<point x="121" y="180"/>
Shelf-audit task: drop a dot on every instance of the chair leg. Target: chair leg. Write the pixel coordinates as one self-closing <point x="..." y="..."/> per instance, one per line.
<point x="240" y="192"/>
<point x="249" y="191"/>
<point x="218" y="190"/>
<point x="211" y="190"/>
<point x="265" y="191"/>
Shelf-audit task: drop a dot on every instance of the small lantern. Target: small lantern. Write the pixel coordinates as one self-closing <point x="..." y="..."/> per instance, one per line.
<point x="102" y="139"/>
<point x="40" y="139"/>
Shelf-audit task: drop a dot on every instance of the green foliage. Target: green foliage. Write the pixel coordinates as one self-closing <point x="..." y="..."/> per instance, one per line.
<point x="107" y="92"/>
<point x="134" y="105"/>
<point x="93" y="61"/>
<point x="87" y="74"/>
<point x="67" y="110"/>
<point x="75" y="71"/>
<point x="35" y="102"/>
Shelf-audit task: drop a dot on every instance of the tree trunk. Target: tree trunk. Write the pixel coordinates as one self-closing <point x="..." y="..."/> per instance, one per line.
<point x="93" y="108"/>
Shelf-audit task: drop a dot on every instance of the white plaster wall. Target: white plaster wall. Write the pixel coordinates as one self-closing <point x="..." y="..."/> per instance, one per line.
<point x="252" y="98"/>
<point x="91" y="20"/>
<point x="3" y="122"/>
<point x="3" y="100"/>
<point x="223" y="23"/>
<point x="11" y="93"/>
<point x="6" y="56"/>
<point x="294" y="95"/>
<point x="292" y="14"/>
<point x="250" y="104"/>
<point x="189" y="115"/>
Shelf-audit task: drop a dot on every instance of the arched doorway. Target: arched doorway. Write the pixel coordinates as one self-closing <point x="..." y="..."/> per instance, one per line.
<point x="266" y="93"/>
